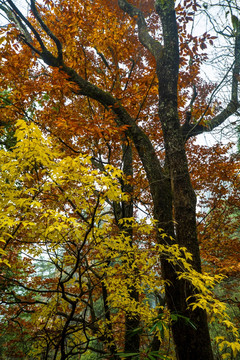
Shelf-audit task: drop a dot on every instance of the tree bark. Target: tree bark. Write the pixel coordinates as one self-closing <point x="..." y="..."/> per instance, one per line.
<point x="132" y="339"/>
<point x="189" y="343"/>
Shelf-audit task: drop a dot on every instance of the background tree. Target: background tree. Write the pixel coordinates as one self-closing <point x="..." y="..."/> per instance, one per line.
<point x="104" y="91"/>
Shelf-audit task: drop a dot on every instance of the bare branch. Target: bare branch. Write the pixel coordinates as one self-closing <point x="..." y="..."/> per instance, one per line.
<point x="189" y="130"/>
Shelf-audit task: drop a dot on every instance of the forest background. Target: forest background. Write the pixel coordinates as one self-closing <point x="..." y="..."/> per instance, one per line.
<point x="101" y="106"/>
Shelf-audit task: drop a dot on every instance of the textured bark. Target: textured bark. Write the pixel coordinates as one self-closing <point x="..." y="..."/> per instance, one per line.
<point x="189" y="343"/>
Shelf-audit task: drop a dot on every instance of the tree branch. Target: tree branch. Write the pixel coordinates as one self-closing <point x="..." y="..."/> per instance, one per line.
<point x="47" y="30"/>
<point x="145" y="38"/>
<point x="25" y="21"/>
<point x="189" y="130"/>
<point x="13" y="17"/>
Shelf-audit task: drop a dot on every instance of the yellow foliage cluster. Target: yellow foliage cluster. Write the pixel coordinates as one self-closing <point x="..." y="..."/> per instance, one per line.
<point x="59" y="207"/>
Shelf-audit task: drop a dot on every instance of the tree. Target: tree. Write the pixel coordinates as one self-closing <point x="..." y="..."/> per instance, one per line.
<point x="87" y="78"/>
<point x="55" y="213"/>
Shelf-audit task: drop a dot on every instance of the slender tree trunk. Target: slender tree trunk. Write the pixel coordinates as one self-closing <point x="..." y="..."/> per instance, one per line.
<point x="110" y="338"/>
<point x="125" y="210"/>
<point x="132" y="339"/>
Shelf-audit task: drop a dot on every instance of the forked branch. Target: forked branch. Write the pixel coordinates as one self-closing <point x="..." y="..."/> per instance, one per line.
<point x="190" y="130"/>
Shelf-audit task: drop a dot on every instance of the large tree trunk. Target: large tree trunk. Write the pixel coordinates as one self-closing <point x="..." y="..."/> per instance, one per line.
<point x="190" y="344"/>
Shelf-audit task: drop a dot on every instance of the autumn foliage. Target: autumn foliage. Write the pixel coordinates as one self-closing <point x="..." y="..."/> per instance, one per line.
<point x="70" y="267"/>
<point x="93" y="248"/>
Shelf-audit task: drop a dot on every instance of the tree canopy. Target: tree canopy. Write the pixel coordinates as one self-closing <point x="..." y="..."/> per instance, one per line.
<point x="101" y="105"/>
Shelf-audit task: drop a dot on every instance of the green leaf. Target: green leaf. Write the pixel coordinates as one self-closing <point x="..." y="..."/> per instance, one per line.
<point x="124" y="355"/>
<point x="131" y="333"/>
<point x="175" y="317"/>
